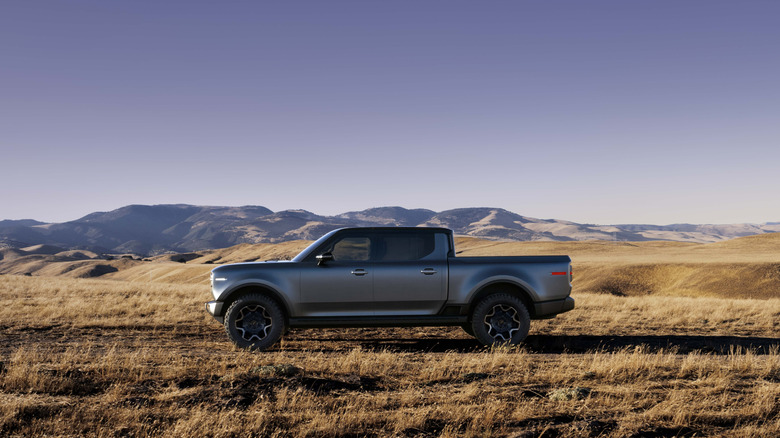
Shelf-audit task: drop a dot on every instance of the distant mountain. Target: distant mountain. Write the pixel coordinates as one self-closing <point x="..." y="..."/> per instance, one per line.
<point x="390" y="216"/>
<point x="156" y="229"/>
<point x="19" y="223"/>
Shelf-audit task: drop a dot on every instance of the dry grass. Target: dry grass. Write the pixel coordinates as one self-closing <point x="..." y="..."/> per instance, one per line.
<point x="118" y="358"/>
<point x="376" y="392"/>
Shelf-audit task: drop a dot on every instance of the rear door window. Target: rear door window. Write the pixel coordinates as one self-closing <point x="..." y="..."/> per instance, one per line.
<point x="403" y="247"/>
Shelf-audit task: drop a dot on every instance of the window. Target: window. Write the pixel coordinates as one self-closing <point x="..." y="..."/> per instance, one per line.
<point x="404" y="247"/>
<point x="352" y="249"/>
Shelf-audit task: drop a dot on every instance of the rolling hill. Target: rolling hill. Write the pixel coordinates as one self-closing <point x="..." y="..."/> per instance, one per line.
<point x="156" y="229"/>
<point x="746" y="267"/>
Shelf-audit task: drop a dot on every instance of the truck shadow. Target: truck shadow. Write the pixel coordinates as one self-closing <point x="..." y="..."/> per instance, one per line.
<point x="577" y="344"/>
<point x="682" y="344"/>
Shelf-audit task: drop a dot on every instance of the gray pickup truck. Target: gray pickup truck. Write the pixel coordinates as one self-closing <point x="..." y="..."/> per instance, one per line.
<point x="389" y="277"/>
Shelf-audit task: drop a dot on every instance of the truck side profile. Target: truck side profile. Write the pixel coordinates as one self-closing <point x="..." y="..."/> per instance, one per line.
<point x="389" y="277"/>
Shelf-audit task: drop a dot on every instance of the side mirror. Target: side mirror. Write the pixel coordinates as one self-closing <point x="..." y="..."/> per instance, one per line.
<point x="322" y="258"/>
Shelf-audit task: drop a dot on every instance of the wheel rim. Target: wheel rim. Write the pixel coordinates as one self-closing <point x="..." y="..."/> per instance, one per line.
<point x="502" y="322"/>
<point x="253" y="322"/>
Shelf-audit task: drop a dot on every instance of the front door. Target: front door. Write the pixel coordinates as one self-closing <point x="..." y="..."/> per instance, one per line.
<point x="342" y="286"/>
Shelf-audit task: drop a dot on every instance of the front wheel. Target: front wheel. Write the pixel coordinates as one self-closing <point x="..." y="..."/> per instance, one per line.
<point x="254" y="322"/>
<point x="500" y="319"/>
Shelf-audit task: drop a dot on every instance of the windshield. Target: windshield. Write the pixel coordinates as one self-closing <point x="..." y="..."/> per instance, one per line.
<point x="306" y="252"/>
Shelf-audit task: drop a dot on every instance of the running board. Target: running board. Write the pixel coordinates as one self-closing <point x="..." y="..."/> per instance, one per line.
<point x="378" y="321"/>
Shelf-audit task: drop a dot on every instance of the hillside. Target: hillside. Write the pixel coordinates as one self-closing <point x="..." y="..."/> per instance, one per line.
<point x="150" y="230"/>
<point x="746" y="267"/>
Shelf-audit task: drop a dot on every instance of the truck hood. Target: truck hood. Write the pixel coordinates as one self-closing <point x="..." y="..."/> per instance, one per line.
<point x="237" y="266"/>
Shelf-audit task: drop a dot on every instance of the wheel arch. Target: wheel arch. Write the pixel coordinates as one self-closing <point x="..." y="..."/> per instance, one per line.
<point x="507" y="287"/>
<point x="256" y="288"/>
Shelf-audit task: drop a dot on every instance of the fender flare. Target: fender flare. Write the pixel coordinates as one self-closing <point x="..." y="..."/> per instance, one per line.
<point x="526" y="293"/>
<point x="231" y="294"/>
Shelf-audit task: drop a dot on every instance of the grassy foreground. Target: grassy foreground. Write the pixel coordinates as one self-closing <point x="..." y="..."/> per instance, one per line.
<point x="113" y="358"/>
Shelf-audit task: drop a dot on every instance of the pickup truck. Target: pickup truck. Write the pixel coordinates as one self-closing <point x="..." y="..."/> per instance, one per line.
<point x="389" y="277"/>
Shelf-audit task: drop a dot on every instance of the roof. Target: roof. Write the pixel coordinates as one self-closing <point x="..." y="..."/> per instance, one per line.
<point x="417" y="229"/>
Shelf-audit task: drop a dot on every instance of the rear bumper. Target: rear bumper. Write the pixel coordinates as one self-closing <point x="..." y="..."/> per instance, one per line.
<point x="215" y="309"/>
<point x="548" y="309"/>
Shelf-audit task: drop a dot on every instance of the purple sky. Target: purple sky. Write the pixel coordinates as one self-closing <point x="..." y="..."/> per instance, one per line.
<point x="598" y="111"/>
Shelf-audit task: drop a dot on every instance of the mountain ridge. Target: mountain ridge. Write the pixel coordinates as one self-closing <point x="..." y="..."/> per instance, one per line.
<point x="156" y="229"/>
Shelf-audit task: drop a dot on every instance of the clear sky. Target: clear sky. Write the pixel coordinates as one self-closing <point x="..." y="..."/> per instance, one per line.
<point x="591" y="111"/>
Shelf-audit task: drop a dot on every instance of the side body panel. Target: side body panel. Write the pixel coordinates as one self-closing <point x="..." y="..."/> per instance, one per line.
<point x="539" y="276"/>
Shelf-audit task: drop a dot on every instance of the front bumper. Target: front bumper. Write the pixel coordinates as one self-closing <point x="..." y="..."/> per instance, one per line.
<point x="215" y="309"/>
<point x="548" y="309"/>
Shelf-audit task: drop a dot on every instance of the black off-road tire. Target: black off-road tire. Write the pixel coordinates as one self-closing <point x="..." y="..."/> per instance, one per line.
<point x="500" y="319"/>
<point x="468" y="329"/>
<point x="254" y="322"/>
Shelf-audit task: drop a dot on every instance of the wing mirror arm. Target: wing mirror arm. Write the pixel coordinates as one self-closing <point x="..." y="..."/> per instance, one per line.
<point x="324" y="257"/>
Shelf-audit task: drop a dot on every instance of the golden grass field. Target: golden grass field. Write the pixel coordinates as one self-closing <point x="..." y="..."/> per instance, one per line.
<point x="668" y="339"/>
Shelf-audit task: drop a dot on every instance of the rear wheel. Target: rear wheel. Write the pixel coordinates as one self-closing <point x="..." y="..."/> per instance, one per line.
<point x="500" y="319"/>
<point x="254" y="322"/>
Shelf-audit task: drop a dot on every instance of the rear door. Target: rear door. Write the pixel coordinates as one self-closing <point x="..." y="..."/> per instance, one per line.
<point x="410" y="272"/>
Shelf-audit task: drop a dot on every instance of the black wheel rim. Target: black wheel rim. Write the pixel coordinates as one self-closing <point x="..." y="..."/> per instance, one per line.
<point x="502" y="321"/>
<point x="253" y="322"/>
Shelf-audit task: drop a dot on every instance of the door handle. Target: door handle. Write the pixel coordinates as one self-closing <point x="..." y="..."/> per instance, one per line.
<point x="428" y="271"/>
<point x="359" y="272"/>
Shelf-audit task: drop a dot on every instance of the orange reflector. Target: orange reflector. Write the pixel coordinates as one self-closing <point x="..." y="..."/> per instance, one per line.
<point x="559" y="273"/>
